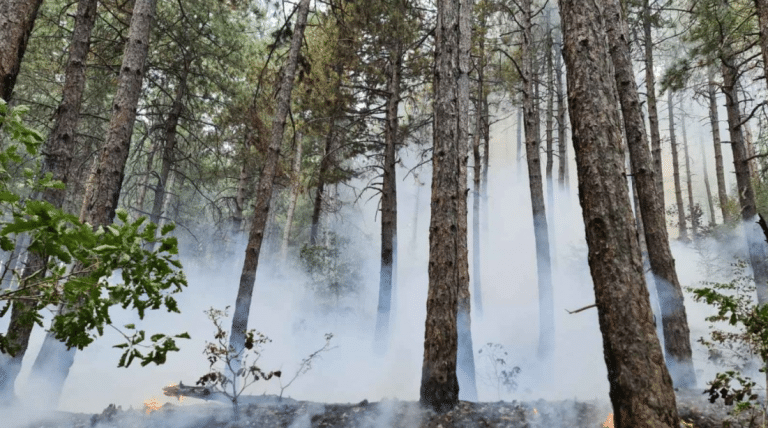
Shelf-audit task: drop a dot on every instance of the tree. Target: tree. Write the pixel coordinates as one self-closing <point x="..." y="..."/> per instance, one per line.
<point x="439" y="384"/>
<point x="59" y="151"/>
<point x="650" y="90"/>
<point x="714" y="122"/>
<point x="689" y="183"/>
<point x="682" y="227"/>
<point x="640" y="386"/>
<point x="761" y="7"/>
<point x="103" y="190"/>
<point x="674" y="320"/>
<point x="266" y="182"/>
<point x="17" y="18"/>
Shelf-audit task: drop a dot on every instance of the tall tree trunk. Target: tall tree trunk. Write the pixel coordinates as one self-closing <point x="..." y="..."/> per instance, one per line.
<point x="17" y="18"/>
<point x="673" y="317"/>
<point x="540" y="229"/>
<point x="325" y="166"/>
<point x="243" y="181"/>
<point x="719" y="170"/>
<point x="52" y="365"/>
<point x="439" y="383"/>
<point x="266" y="181"/>
<point x="710" y="203"/>
<point x="689" y="183"/>
<point x="145" y="179"/>
<point x="562" y="140"/>
<point x="59" y="150"/>
<point x="519" y="152"/>
<point x="757" y="257"/>
<point x="653" y="114"/>
<point x="388" y="271"/>
<point x="550" y="117"/>
<point x="293" y="197"/>
<point x="640" y="386"/>
<point x="682" y="226"/>
<point x="762" y="17"/>
<point x="480" y="172"/>
<point x="169" y="146"/>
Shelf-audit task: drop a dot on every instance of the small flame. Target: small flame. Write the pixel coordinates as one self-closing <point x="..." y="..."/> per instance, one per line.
<point x="608" y="421"/>
<point x="152" y="404"/>
<point x="535" y="412"/>
<point x="180" y="397"/>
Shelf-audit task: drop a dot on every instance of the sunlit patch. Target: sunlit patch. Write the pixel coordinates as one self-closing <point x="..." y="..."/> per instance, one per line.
<point x="608" y="421"/>
<point x="152" y="404"/>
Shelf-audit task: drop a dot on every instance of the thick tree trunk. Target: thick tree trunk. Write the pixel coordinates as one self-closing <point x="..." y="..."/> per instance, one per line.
<point x="755" y="246"/>
<point x="640" y="386"/>
<point x="388" y="271"/>
<point x="439" y="383"/>
<point x="264" y="189"/>
<point x="653" y="114"/>
<point x="682" y="226"/>
<point x="719" y="171"/>
<point x="59" y="150"/>
<point x="674" y="320"/>
<point x="540" y="229"/>
<point x="689" y="183"/>
<point x="54" y="360"/>
<point x="562" y="140"/>
<point x="17" y="17"/>
<point x="293" y="197"/>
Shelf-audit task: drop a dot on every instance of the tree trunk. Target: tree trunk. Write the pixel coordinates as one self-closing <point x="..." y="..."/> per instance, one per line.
<point x="169" y="147"/>
<point x="562" y="140"/>
<point x="519" y="151"/>
<point x="59" y="150"/>
<point x="689" y="184"/>
<point x="640" y="386"/>
<point x="480" y="172"/>
<point x="54" y="360"/>
<point x="674" y="320"/>
<point x="388" y="271"/>
<point x="653" y="115"/>
<point x="294" y="196"/>
<point x="325" y="166"/>
<point x="757" y="257"/>
<point x="17" y="17"/>
<point x="719" y="171"/>
<point x="540" y="229"/>
<point x="710" y="204"/>
<point x="439" y="383"/>
<point x="264" y="189"/>
<point x="682" y="227"/>
<point x="550" y="117"/>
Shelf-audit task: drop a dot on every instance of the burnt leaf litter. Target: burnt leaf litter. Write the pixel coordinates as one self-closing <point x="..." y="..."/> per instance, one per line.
<point x="694" y="409"/>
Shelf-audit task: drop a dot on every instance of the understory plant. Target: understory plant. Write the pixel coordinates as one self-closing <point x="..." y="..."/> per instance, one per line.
<point x="81" y="259"/>
<point x="498" y="374"/>
<point x="738" y="339"/>
<point x="231" y="372"/>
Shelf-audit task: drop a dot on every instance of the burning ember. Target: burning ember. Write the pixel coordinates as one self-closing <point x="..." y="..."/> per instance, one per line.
<point x="608" y="421"/>
<point x="152" y="404"/>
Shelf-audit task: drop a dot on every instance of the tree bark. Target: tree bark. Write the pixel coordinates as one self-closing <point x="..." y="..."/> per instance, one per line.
<point x="550" y="117"/>
<point x="640" y="386"/>
<point x="52" y="365"/>
<point x="755" y="247"/>
<point x="710" y="204"/>
<point x="689" y="184"/>
<point x="480" y="171"/>
<point x="653" y="114"/>
<point x="325" y="166"/>
<point x="540" y="229"/>
<point x="519" y="151"/>
<point x="59" y="149"/>
<point x="294" y="196"/>
<point x="562" y="140"/>
<point x="388" y="271"/>
<point x="674" y="320"/>
<point x="719" y="171"/>
<point x="439" y="383"/>
<point x="761" y="6"/>
<point x="17" y="18"/>
<point x="682" y="227"/>
<point x="266" y="181"/>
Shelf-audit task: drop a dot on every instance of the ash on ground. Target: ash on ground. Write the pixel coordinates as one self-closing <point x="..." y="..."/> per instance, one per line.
<point x="694" y="410"/>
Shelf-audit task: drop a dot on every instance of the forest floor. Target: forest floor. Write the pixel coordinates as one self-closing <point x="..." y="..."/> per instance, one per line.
<point x="694" y="410"/>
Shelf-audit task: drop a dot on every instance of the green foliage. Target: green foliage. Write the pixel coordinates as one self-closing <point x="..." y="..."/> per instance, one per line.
<point x="80" y="261"/>
<point x="743" y="336"/>
<point x="332" y="275"/>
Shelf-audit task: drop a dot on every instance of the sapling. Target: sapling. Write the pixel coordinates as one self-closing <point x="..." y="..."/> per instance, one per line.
<point x="497" y="374"/>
